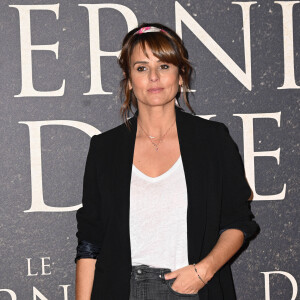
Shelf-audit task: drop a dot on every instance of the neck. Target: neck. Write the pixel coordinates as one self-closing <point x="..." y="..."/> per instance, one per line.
<point x="156" y="120"/>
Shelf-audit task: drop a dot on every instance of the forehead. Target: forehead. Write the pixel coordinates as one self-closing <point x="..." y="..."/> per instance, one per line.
<point x="138" y="53"/>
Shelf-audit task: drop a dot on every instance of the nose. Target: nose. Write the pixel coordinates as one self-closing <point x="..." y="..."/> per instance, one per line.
<point x="153" y="75"/>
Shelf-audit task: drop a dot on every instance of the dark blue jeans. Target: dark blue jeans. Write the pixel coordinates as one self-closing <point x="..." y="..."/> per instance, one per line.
<point x="148" y="283"/>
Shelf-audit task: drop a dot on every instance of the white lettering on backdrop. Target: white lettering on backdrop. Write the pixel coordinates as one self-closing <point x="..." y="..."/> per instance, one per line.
<point x="288" y="275"/>
<point x="27" y="89"/>
<point x="288" y="44"/>
<point x="250" y="154"/>
<point x="37" y="201"/>
<point x="43" y="267"/>
<point x="38" y="204"/>
<point x="37" y="295"/>
<point x="181" y="16"/>
<point x="95" y="49"/>
<point x="10" y="292"/>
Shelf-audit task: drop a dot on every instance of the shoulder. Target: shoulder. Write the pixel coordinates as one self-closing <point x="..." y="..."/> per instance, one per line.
<point x="209" y="129"/>
<point x="216" y="135"/>
<point x="105" y="144"/>
<point x="110" y="135"/>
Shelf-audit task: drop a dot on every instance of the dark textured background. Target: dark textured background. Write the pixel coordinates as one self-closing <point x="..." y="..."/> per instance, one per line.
<point x="52" y="234"/>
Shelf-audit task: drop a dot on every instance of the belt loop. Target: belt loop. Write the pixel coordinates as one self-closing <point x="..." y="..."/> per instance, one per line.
<point x="162" y="276"/>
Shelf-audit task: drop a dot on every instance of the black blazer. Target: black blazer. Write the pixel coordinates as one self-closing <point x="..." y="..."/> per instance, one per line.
<point x="217" y="190"/>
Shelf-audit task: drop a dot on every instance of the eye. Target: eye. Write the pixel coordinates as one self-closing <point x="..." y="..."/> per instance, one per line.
<point x="164" y="67"/>
<point x="141" y="68"/>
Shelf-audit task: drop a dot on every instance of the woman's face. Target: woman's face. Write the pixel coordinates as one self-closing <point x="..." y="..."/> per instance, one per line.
<point x="153" y="82"/>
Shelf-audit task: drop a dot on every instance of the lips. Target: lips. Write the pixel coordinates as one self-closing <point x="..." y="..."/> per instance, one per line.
<point x="155" y="90"/>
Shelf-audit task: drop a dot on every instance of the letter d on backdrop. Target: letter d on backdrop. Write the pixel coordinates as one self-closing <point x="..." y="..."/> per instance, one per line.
<point x="288" y="275"/>
<point x="37" y="203"/>
<point x="10" y="292"/>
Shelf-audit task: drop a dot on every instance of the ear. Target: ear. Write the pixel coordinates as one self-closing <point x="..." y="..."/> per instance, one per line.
<point x="180" y="81"/>
<point x="129" y="84"/>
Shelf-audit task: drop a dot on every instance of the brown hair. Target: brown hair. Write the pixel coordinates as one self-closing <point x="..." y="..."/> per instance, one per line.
<point x="165" y="45"/>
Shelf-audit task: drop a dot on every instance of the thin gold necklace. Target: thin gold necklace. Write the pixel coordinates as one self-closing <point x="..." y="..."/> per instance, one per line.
<point x="152" y="137"/>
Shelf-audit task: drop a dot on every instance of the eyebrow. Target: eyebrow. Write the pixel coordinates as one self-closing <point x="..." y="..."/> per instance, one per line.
<point x="143" y="62"/>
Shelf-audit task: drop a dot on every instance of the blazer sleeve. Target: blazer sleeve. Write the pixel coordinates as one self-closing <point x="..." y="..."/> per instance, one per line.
<point x="88" y="217"/>
<point x="235" y="212"/>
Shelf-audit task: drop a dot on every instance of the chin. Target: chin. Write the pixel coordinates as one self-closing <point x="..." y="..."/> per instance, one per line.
<point x="159" y="103"/>
<point x="156" y="102"/>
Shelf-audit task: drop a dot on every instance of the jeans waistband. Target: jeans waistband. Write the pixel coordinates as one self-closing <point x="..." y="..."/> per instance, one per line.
<point x="144" y="272"/>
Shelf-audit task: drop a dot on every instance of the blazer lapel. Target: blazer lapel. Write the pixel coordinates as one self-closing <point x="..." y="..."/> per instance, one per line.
<point x="193" y="159"/>
<point x="193" y="154"/>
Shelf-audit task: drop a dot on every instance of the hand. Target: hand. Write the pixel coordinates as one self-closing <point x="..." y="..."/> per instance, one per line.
<point x="187" y="281"/>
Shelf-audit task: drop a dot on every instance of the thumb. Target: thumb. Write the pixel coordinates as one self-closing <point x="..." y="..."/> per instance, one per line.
<point x="170" y="275"/>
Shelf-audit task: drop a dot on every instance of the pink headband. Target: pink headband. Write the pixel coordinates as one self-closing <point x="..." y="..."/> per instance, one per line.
<point x="149" y="29"/>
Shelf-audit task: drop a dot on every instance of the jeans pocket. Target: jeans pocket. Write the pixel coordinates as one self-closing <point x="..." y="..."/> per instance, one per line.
<point x="169" y="285"/>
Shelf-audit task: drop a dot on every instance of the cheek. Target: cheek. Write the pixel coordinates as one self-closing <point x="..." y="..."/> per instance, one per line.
<point x="139" y="82"/>
<point x="173" y="80"/>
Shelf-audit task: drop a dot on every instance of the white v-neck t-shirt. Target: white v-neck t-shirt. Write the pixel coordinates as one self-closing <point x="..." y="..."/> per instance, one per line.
<point x="158" y="218"/>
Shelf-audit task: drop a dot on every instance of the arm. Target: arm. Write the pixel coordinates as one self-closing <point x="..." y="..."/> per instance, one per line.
<point x="235" y="206"/>
<point x="89" y="224"/>
<point x="236" y="224"/>
<point x="229" y="242"/>
<point x="85" y="269"/>
<point x="187" y="281"/>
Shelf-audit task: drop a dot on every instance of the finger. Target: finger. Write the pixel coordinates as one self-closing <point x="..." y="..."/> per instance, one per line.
<point x="170" y="275"/>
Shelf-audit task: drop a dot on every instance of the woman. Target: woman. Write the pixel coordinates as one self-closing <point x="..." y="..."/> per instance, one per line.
<point x="165" y="199"/>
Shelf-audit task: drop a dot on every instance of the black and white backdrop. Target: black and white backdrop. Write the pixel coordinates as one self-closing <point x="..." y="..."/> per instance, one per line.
<point x="59" y="83"/>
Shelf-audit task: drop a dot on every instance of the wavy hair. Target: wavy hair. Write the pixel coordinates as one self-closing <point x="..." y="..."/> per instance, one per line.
<point x="168" y="47"/>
